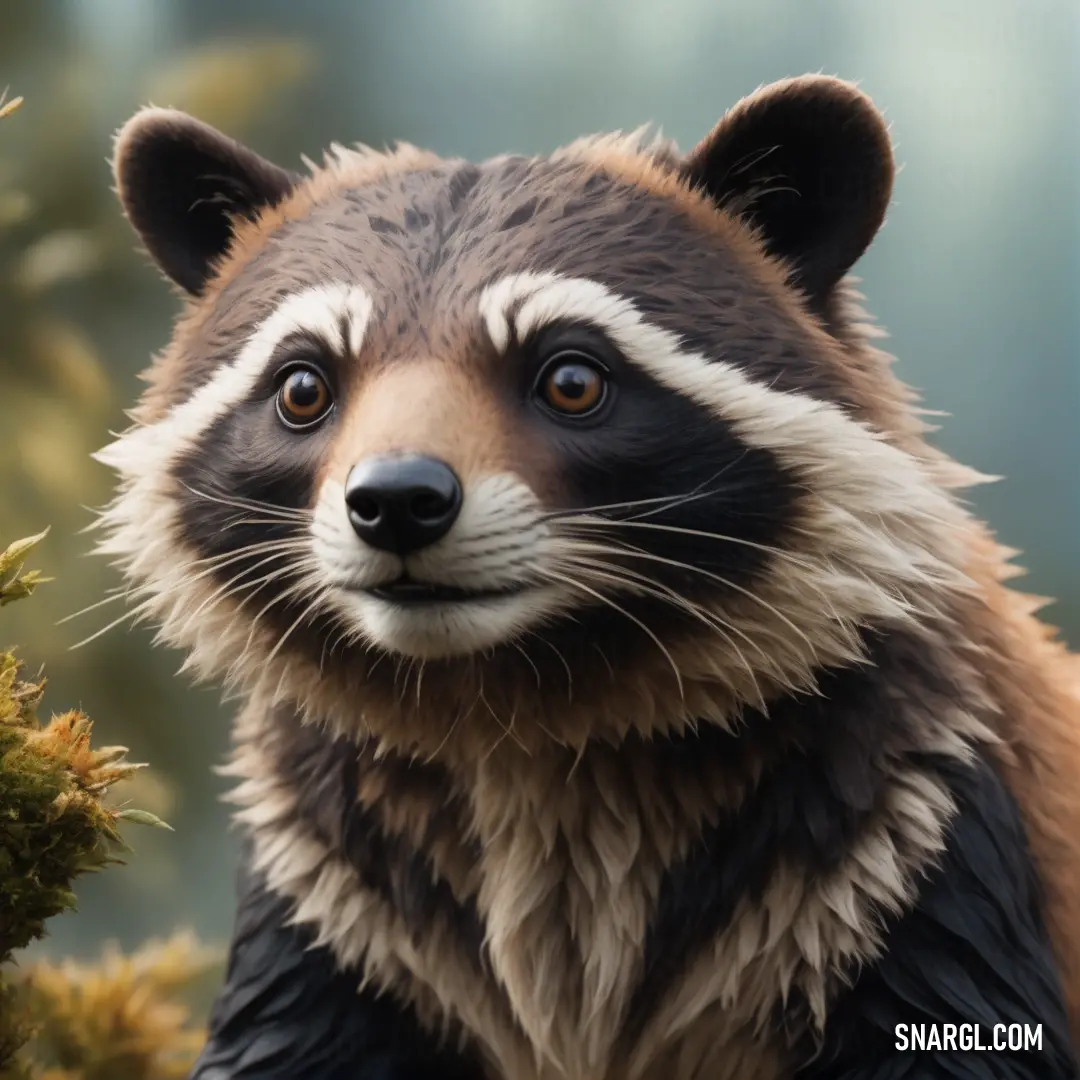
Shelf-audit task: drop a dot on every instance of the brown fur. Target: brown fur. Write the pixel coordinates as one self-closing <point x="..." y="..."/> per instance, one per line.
<point x="168" y="378"/>
<point x="1033" y="676"/>
<point x="1036" y="680"/>
<point x="551" y="828"/>
<point x="558" y="856"/>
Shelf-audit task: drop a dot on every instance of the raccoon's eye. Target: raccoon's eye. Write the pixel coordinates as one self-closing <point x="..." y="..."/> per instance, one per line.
<point x="572" y="384"/>
<point x="303" y="398"/>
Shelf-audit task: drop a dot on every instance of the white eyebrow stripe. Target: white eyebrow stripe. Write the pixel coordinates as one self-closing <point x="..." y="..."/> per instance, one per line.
<point x="849" y="465"/>
<point x="785" y="423"/>
<point x="497" y="303"/>
<point x="338" y="312"/>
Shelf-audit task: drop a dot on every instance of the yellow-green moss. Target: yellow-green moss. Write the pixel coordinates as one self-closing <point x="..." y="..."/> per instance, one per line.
<point x="53" y="823"/>
<point x="113" y="1021"/>
<point x="119" y="1019"/>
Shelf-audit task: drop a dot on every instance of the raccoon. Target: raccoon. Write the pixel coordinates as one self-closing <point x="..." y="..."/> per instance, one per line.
<point x="628" y="693"/>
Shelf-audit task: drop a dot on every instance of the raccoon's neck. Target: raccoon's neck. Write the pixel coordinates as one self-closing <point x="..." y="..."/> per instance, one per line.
<point x="591" y="882"/>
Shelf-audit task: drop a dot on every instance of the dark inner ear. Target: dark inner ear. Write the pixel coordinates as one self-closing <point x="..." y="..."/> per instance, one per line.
<point x="182" y="183"/>
<point x="809" y="164"/>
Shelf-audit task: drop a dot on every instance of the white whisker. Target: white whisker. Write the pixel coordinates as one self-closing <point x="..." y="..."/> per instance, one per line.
<point x="627" y="578"/>
<point x="601" y="524"/>
<point x="281" y="513"/>
<point x="727" y="583"/>
<point x="615" y="607"/>
<point x="319" y="598"/>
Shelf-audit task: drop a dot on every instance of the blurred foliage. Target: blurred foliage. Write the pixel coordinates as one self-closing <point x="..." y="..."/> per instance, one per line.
<point x="116" y="1020"/>
<point x="63" y="237"/>
<point x="80" y="314"/>
<point x="119" y="1019"/>
<point x="228" y="84"/>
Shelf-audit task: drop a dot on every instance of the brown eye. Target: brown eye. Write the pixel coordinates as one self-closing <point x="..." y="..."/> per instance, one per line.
<point x="304" y="398"/>
<point x="572" y="385"/>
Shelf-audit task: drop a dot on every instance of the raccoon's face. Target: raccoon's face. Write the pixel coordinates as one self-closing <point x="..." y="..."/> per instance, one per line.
<point x="558" y="422"/>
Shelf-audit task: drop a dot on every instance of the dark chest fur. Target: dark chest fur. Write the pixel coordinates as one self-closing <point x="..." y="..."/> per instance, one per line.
<point x="689" y="906"/>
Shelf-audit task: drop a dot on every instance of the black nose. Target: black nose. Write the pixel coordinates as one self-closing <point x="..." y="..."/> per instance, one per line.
<point x="402" y="502"/>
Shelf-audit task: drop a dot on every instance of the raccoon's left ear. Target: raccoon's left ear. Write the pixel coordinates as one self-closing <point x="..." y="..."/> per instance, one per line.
<point x="182" y="184"/>
<point x="808" y="163"/>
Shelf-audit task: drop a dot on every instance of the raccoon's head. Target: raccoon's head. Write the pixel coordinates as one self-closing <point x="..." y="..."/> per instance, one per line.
<point x="571" y="444"/>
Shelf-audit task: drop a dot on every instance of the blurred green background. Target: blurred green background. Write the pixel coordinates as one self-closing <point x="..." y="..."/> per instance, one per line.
<point x="976" y="275"/>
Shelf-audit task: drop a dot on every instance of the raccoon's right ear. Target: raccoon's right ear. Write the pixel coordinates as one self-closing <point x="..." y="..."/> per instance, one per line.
<point x="182" y="184"/>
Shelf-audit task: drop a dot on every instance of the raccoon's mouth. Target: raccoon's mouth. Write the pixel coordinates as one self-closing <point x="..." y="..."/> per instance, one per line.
<point x="407" y="592"/>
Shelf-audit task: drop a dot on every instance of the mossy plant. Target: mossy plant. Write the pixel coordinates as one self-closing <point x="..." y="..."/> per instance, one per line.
<point x="115" y="1020"/>
<point x="119" y="1019"/>
<point x="53" y="822"/>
